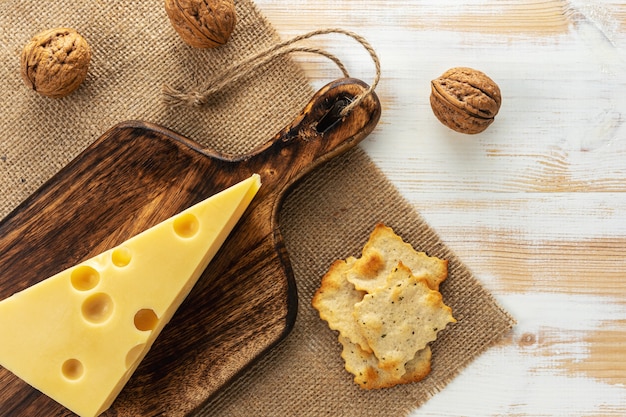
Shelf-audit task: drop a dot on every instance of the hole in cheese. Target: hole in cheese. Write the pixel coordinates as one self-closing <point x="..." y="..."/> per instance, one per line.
<point x="97" y="308"/>
<point x="72" y="369"/>
<point x="121" y="256"/>
<point x="146" y="319"/>
<point x="84" y="278"/>
<point x="186" y="225"/>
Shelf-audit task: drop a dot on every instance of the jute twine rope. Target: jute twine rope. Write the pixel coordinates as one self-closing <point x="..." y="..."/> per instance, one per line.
<point x="200" y="96"/>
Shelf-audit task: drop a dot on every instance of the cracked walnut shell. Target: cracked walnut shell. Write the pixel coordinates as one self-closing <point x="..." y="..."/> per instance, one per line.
<point x="55" y="62"/>
<point x="202" y="23"/>
<point x="464" y="99"/>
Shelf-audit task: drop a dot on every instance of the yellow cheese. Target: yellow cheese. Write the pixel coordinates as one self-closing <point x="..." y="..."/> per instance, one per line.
<point x="79" y="335"/>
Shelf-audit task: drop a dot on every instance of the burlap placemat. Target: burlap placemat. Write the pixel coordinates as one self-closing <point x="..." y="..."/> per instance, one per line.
<point x="329" y="215"/>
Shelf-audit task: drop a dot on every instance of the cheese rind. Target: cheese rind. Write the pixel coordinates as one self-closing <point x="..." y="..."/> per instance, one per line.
<point x="79" y="335"/>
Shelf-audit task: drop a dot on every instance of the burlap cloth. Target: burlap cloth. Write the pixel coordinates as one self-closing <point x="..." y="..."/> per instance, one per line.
<point x="329" y="215"/>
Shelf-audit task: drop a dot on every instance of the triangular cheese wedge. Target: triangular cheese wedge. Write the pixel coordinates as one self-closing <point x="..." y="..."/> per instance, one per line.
<point x="79" y="335"/>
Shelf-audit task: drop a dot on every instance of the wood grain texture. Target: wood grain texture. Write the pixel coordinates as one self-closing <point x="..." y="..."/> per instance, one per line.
<point x="535" y="205"/>
<point x="243" y="304"/>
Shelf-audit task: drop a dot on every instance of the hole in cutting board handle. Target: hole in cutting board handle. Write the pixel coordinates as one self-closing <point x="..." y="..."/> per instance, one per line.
<point x="333" y="116"/>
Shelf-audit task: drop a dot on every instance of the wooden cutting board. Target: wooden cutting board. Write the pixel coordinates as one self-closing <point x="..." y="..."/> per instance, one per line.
<point x="138" y="174"/>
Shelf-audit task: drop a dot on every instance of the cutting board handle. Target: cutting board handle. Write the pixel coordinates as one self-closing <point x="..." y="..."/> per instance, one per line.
<point x="319" y="133"/>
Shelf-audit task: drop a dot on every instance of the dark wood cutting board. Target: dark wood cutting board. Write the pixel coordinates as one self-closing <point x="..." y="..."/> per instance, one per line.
<point x="138" y="174"/>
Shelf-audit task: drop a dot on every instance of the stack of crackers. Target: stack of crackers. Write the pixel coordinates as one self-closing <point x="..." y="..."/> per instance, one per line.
<point x="387" y="308"/>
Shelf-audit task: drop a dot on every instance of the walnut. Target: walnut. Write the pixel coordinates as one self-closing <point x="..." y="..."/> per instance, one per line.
<point x="202" y="23"/>
<point x="465" y="100"/>
<point x="55" y="62"/>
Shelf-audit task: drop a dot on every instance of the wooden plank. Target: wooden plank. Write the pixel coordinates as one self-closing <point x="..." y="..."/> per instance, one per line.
<point x="534" y="205"/>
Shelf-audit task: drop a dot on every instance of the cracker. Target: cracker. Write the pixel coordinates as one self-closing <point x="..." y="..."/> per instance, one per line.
<point x="401" y="318"/>
<point x="387" y="308"/>
<point x="382" y="252"/>
<point x="368" y="375"/>
<point x="335" y="300"/>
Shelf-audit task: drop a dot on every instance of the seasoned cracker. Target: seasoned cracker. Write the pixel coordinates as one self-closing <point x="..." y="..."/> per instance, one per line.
<point x="401" y="318"/>
<point x="382" y="252"/>
<point x="335" y="300"/>
<point x="387" y="308"/>
<point x="368" y="375"/>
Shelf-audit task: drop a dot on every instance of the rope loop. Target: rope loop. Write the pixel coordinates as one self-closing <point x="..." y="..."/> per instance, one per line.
<point x="200" y="96"/>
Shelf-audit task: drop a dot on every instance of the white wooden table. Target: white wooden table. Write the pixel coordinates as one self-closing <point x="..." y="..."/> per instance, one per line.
<point x="536" y="205"/>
